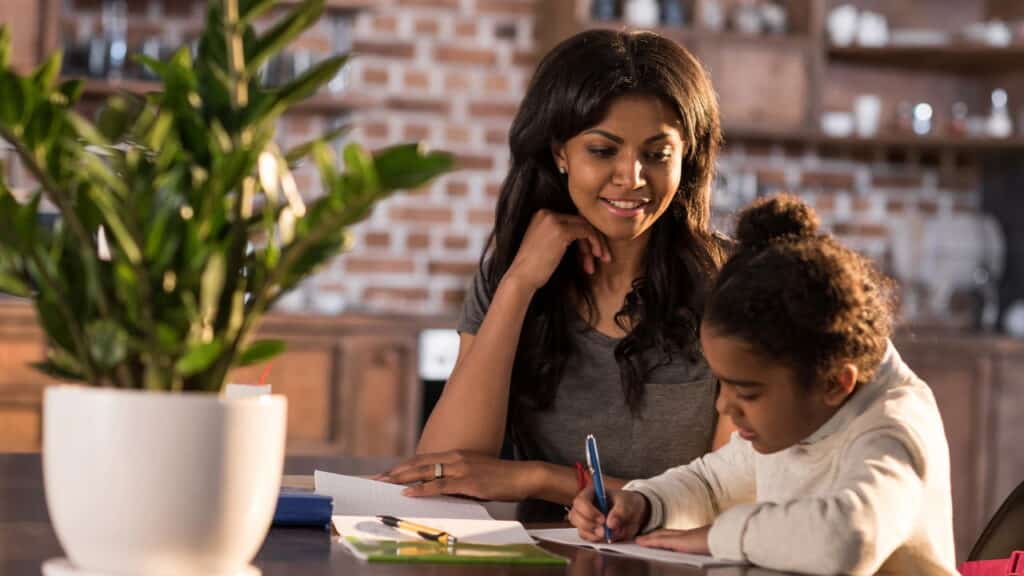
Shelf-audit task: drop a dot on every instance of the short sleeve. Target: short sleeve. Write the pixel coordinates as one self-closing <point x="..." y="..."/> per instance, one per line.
<point x="474" y="307"/>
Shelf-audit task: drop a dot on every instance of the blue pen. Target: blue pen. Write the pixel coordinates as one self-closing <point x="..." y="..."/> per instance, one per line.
<point x="594" y="463"/>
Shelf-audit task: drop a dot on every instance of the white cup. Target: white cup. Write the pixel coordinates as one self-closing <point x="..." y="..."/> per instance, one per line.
<point x="867" y="111"/>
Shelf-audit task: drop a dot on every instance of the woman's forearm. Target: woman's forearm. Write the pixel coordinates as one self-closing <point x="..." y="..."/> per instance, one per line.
<point x="471" y="413"/>
<point x="559" y="484"/>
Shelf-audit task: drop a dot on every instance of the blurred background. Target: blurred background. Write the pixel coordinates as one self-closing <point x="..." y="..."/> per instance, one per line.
<point x="902" y="123"/>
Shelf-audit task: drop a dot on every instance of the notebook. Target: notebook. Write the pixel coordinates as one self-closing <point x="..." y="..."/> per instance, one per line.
<point x="481" y="539"/>
<point x="301" y="508"/>
<point x="571" y="537"/>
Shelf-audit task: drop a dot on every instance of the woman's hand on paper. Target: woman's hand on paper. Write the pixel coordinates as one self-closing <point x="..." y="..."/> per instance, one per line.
<point x="690" y="541"/>
<point x="629" y="512"/>
<point x="545" y="242"/>
<point x="466" y="474"/>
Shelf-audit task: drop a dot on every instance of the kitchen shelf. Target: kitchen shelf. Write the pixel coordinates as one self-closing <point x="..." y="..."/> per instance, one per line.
<point x="810" y="137"/>
<point x="953" y="58"/>
<point x="687" y="35"/>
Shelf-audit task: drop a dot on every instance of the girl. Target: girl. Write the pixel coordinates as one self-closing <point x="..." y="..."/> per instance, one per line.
<point x="839" y="463"/>
<point x="583" y="317"/>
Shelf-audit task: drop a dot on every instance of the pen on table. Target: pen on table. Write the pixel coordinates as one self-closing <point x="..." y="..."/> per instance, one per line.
<point x="594" y="462"/>
<point x="425" y="532"/>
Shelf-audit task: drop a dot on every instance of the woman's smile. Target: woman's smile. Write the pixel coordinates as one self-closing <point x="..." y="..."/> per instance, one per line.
<point x="626" y="207"/>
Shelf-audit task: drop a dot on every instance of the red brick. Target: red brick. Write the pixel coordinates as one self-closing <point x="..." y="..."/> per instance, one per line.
<point x="496" y="83"/>
<point x="861" y="204"/>
<point x="375" y="75"/>
<point x="505" y="7"/>
<point x="524" y="58"/>
<point x="929" y="207"/>
<point x="775" y="178"/>
<point x="456" y="81"/>
<point x="379" y="265"/>
<point x="964" y="206"/>
<point x="377" y="239"/>
<point x="413" y="131"/>
<point x="453" y="296"/>
<point x="426" y="27"/>
<point x="895" y="206"/>
<point x="431" y="3"/>
<point x="458" y="55"/>
<point x="827" y="180"/>
<point x="433" y="106"/>
<point x="457" y="135"/>
<point x="493" y="189"/>
<point x="481" y="216"/>
<point x="452" y="268"/>
<point x="960" y="180"/>
<point x="376" y="130"/>
<point x="465" y="29"/>
<point x="419" y="214"/>
<point x="417" y="240"/>
<point x="387" y="24"/>
<point x="456" y="242"/>
<point x="417" y="80"/>
<point x="484" y="109"/>
<point x="825" y="202"/>
<point x="496" y="136"/>
<point x="758" y="149"/>
<point x="869" y="230"/>
<point x="456" y="189"/>
<point x="399" y="50"/>
<point x="896" y="180"/>
<point x="473" y="162"/>
<point x="391" y="293"/>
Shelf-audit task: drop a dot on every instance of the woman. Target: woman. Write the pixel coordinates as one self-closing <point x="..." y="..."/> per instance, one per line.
<point x="613" y="150"/>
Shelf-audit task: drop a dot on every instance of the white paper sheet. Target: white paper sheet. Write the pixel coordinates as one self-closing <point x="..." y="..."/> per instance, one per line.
<point x="354" y="496"/>
<point x="466" y="531"/>
<point x="571" y="537"/>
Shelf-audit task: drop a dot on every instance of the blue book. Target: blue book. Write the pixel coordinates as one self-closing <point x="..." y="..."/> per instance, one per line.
<point x="299" y="508"/>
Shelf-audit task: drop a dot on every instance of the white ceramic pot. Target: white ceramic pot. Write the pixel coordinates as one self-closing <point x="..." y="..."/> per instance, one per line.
<point x="161" y="483"/>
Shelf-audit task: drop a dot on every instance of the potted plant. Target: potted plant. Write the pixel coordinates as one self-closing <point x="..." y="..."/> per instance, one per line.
<point x="179" y="224"/>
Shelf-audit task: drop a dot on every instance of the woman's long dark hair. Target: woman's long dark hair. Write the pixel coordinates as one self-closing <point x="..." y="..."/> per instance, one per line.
<point x="570" y="92"/>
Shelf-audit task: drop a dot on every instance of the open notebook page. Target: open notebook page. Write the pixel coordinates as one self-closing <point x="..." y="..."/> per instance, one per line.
<point x="571" y="537"/>
<point x="354" y="496"/>
<point x="467" y="531"/>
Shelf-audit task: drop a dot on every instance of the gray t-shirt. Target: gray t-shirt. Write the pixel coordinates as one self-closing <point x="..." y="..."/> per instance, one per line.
<point x="677" y="423"/>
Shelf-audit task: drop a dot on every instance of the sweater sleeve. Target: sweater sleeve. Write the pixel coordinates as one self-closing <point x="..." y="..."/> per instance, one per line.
<point x="691" y="496"/>
<point x="852" y="530"/>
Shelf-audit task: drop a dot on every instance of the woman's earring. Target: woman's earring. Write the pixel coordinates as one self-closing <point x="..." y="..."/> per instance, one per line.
<point x="561" y="170"/>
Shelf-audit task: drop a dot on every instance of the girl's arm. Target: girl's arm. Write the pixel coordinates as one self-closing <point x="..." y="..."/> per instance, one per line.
<point x="692" y="496"/>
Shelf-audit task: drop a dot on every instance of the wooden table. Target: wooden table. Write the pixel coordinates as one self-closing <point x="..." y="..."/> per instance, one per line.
<point x="27" y="538"/>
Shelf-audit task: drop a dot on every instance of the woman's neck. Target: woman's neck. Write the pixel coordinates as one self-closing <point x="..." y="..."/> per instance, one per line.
<point x="617" y="276"/>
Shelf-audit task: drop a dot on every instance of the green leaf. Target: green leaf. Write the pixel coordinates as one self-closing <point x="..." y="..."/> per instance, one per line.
<point x="409" y="166"/>
<point x="249" y="10"/>
<point x="14" y="286"/>
<point x="86" y="130"/>
<point x="108" y="343"/>
<point x="45" y="77"/>
<point x="281" y="33"/>
<point x="361" y="165"/>
<point x="299" y="152"/>
<point x="5" y="46"/>
<point x="72" y="90"/>
<point x="118" y="116"/>
<point x="198" y="358"/>
<point x="260" y="351"/>
<point x="61" y="365"/>
<point x="308" y="82"/>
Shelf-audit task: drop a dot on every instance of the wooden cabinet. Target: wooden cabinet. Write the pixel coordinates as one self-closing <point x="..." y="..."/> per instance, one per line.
<point x="351" y="381"/>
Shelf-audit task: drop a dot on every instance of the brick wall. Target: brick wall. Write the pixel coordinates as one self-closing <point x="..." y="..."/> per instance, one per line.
<point x="451" y="73"/>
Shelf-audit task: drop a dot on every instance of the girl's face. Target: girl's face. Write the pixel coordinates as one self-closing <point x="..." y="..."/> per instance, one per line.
<point x="764" y="398"/>
<point x="624" y="172"/>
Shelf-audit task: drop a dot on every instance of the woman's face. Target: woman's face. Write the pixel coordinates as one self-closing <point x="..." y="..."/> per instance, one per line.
<point x="624" y="172"/>
<point x="763" y="397"/>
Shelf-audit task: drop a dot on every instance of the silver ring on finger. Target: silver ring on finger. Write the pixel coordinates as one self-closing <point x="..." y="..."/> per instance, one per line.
<point x="438" y="471"/>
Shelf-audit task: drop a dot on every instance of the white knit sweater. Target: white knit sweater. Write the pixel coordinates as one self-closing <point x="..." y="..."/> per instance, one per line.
<point x="867" y="492"/>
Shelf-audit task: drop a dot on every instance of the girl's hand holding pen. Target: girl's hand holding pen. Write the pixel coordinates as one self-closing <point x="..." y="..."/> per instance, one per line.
<point x="547" y="238"/>
<point x="628" y="514"/>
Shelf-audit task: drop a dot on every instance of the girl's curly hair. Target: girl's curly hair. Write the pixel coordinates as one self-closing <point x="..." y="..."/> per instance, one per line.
<point x="799" y="296"/>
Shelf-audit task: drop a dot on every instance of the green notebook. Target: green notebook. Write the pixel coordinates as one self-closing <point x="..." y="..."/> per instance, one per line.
<point x="425" y="552"/>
